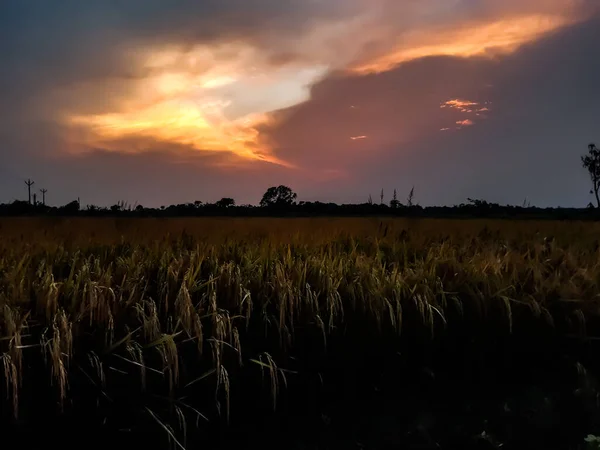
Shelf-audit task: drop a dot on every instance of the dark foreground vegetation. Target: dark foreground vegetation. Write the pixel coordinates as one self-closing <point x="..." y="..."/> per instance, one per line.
<point x="299" y="333"/>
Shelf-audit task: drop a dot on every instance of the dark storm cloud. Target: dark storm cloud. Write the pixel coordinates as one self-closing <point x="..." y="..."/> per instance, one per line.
<point x="73" y="40"/>
<point x="389" y="109"/>
<point x="545" y="109"/>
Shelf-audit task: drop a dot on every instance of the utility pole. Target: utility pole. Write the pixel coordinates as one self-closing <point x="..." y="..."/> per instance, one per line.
<point x="29" y="183"/>
<point x="43" y="191"/>
<point x="34" y="199"/>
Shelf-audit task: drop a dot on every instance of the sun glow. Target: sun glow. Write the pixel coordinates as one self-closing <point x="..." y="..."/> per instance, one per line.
<point x="208" y="108"/>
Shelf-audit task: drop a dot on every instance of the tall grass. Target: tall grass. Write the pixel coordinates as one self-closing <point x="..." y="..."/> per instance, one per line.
<point x="172" y="319"/>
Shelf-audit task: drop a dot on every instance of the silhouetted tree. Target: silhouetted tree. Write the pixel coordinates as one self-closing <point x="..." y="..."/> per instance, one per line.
<point x="591" y="162"/>
<point x="370" y="201"/>
<point x="225" y="202"/>
<point x="381" y="197"/>
<point x="29" y="183"/>
<point x="477" y="203"/>
<point x="278" y="196"/>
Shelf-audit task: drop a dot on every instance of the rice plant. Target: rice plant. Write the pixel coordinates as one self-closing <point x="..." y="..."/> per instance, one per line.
<point x="182" y="321"/>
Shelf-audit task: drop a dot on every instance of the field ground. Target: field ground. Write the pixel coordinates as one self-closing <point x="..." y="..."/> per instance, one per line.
<point x="299" y="333"/>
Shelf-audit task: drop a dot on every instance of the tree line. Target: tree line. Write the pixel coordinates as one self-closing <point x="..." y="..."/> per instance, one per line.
<point x="282" y="201"/>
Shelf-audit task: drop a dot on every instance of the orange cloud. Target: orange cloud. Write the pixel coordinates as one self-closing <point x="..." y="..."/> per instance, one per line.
<point x="467" y="40"/>
<point x="199" y="127"/>
<point x="466" y="107"/>
<point x="186" y="101"/>
<point x="458" y="104"/>
<point x="215" y="97"/>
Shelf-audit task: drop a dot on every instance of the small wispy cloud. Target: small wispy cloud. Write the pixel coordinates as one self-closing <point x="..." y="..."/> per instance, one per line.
<point x="458" y="104"/>
<point x="355" y="138"/>
<point x="466" y="107"/>
<point x="464" y="123"/>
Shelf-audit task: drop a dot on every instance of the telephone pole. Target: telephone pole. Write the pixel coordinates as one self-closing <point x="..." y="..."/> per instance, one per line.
<point x="43" y="191"/>
<point x="29" y="183"/>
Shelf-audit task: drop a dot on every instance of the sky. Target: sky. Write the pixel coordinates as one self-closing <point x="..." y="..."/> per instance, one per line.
<point x="156" y="102"/>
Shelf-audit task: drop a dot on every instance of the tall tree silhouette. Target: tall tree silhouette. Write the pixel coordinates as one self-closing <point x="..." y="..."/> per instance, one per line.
<point x="278" y="196"/>
<point x="29" y="183"/>
<point x="43" y="191"/>
<point x="591" y="162"/>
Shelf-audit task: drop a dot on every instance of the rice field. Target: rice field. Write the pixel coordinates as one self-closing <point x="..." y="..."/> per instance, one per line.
<point x="299" y="333"/>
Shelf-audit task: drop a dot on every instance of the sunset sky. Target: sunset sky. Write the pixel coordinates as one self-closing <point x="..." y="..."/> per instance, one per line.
<point x="170" y="101"/>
